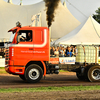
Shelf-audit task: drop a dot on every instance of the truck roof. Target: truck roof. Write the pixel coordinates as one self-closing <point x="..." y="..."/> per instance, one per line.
<point x="15" y="28"/>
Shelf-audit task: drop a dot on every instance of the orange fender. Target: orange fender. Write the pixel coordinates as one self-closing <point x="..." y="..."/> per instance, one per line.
<point x="44" y="67"/>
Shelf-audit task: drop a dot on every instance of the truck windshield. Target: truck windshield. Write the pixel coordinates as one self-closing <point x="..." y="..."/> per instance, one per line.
<point x="12" y="37"/>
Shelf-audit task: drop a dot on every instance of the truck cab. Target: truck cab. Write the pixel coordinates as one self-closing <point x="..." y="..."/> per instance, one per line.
<point x="28" y="53"/>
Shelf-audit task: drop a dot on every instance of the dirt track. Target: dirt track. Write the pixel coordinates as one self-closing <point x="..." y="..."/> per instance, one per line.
<point x="58" y="95"/>
<point x="63" y="79"/>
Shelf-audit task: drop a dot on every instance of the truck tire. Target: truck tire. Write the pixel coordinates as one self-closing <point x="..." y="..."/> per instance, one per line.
<point x="80" y="76"/>
<point x="93" y="73"/>
<point x="22" y="77"/>
<point x="33" y="73"/>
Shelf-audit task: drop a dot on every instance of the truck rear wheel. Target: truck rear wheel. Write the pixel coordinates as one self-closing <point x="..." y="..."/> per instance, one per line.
<point x="80" y="76"/>
<point x="33" y="73"/>
<point x="93" y="73"/>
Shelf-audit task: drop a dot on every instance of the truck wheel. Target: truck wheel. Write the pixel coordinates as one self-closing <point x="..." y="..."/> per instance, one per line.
<point x="80" y="76"/>
<point x="33" y="73"/>
<point x="22" y="77"/>
<point x="93" y="74"/>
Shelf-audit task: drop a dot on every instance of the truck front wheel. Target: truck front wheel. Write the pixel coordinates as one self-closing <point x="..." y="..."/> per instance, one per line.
<point x="94" y="74"/>
<point x="33" y="73"/>
<point x="22" y="77"/>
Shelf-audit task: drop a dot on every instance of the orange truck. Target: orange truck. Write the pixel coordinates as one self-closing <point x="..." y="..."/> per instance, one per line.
<point x="29" y="57"/>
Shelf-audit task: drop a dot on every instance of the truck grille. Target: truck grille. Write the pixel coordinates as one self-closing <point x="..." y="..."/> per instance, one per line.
<point x="6" y="56"/>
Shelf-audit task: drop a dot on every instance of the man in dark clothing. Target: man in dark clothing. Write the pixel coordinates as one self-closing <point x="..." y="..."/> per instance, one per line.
<point x="68" y="52"/>
<point x="29" y="37"/>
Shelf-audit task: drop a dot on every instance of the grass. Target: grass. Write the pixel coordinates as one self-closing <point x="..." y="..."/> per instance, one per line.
<point x="2" y="70"/>
<point x="50" y="89"/>
<point x="2" y="67"/>
<point x="63" y="71"/>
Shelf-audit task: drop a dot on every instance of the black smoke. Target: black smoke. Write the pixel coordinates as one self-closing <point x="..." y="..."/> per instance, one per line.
<point x="51" y="5"/>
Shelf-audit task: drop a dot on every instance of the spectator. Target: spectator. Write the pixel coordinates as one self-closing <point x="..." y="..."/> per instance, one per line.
<point x="66" y="51"/>
<point x="99" y="50"/>
<point x="56" y="53"/>
<point x="75" y="51"/>
<point x="62" y="52"/>
<point x="71" y="48"/>
<point x="69" y="53"/>
<point x="51" y="51"/>
<point x="2" y="52"/>
<point x="0" y="49"/>
<point x="58" y="48"/>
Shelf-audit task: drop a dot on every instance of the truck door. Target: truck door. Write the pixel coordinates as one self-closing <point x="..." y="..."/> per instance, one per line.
<point x="23" y="51"/>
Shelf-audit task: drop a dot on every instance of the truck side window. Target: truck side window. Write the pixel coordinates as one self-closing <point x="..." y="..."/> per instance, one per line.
<point x="22" y="37"/>
<point x="25" y="36"/>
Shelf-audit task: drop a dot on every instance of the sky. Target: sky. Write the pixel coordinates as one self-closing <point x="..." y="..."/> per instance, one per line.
<point x="25" y="2"/>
